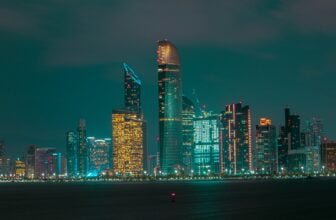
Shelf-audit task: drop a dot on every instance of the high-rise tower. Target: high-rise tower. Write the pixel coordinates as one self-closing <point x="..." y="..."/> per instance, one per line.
<point x="237" y="146"/>
<point x="127" y="138"/>
<point x="132" y="97"/>
<point x="266" y="147"/>
<point x="82" y="150"/>
<point x="188" y="116"/>
<point x="71" y="149"/>
<point x="132" y="90"/>
<point x="170" y="107"/>
<point x="207" y="150"/>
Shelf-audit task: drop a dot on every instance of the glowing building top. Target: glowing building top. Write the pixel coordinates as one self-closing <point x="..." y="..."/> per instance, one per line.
<point x="265" y="121"/>
<point x="167" y="53"/>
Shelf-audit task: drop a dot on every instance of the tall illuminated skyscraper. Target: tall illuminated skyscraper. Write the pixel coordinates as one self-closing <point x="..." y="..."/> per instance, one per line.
<point x="188" y="116"/>
<point x="127" y="138"/>
<point x="132" y="100"/>
<point x="82" y="150"/>
<point x="71" y="149"/>
<point x="132" y="90"/>
<point x="206" y="153"/>
<point x="266" y="147"/>
<point x="237" y="146"/>
<point x="170" y="107"/>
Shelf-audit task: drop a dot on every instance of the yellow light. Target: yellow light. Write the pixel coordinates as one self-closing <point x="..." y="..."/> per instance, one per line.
<point x="127" y="143"/>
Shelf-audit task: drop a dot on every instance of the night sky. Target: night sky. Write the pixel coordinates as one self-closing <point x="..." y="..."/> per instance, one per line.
<point x="62" y="60"/>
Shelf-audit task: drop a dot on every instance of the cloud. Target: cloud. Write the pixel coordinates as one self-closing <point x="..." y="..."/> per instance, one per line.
<point x="310" y="16"/>
<point x="13" y="21"/>
<point x="80" y="33"/>
<point x="103" y="34"/>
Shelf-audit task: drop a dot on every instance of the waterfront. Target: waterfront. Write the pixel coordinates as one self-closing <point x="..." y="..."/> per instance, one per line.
<point x="228" y="199"/>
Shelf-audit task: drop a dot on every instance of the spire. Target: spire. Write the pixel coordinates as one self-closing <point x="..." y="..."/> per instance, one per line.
<point x="130" y="71"/>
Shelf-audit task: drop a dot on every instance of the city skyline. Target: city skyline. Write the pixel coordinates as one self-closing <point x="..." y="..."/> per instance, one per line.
<point x="61" y="83"/>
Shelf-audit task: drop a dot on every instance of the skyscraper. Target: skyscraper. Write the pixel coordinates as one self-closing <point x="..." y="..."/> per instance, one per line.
<point x="291" y="153"/>
<point x="132" y="99"/>
<point x="292" y="126"/>
<point x="188" y="116"/>
<point x="82" y="150"/>
<point x="170" y="107"/>
<point x="206" y="152"/>
<point x="266" y="147"/>
<point x="311" y="139"/>
<point x="4" y="161"/>
<point x="30" y="162"/>
<point x="236" y="136"/>
<point x="132" y="90"/>
<point x="127" y="138"/>
<point x="71" y="149"/>
<point x="45" y="163"/>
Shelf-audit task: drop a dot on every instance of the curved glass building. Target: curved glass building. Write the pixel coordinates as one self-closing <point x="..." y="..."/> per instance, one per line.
<point x="170" y="107"/>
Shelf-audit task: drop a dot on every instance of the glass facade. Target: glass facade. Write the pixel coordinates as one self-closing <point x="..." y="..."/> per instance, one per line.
<point x="132" y="90"/>
<point x="82" y="150"/>
<point x="188" y="116"/>
<point x="170" y="108"/>
<point x="207" y="145"/>
<point x="71" y="148"/>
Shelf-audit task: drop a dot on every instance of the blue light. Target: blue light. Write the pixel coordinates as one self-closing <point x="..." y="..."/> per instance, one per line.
<point x="92" y="174"/>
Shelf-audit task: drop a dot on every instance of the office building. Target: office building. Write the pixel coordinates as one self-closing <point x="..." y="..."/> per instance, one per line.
<point x="328" y="156"/>
<point x="71" y="153"/>
<point x="206" y="153"/>
<point x="188" y="116"/>
<point x="82" y="150"/>
<point x="236" y="138"/>
<point x="170" y="108"/>
<point x="127" y="138"/>
<point x="99" y="154"/>
<point x="266" y="147"/>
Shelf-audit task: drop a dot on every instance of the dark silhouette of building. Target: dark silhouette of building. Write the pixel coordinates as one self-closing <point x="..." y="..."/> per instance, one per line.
<point x="328" y="156"/>
<point x="292" y="156"/>
<point x="266" y="147"/>
<point x="236" y="137"/>
<point x="71" y="149"/>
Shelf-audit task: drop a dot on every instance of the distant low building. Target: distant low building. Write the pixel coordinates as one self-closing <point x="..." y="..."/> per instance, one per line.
<point x="328" y="156"/>
<point x="47" y="163"/>
<point x="99" y="154"/>
<point x="20" y="168"/>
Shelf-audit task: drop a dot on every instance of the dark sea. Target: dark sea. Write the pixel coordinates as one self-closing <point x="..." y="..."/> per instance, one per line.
<point x="228" y="199"/>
